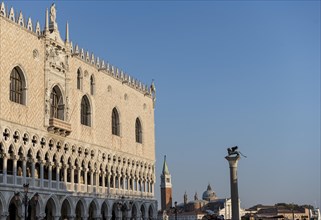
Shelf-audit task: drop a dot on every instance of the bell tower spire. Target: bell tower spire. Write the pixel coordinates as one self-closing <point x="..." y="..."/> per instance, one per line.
<point x="166" y="187"/>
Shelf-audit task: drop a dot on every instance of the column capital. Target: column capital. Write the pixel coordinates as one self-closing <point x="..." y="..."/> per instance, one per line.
<point x="4" y="214"/>
<point x="233" y="160"/>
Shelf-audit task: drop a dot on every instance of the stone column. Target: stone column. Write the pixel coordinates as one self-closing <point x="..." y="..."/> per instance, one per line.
<point x="114" y="181"/>
<point x="108" y="183"/>
<point x="24" y="170"/>
<point x="65" y="173"/>
<point x="91" y="180"/>
<point x="5" y="160"/>
<point x="85" y="176"/>
<point x="41" y="173"/>
<point x="233" y="160"/>
<point x="72" y="176"/>
<point x="33" y="165"/>
<point x="78" y="176"/>
<point x="15" y="170"/>
<point x="57" y="175"/>
<point x="97" y="180"/>
<point x="49" y="175"/>
<point x="103" y="174"/>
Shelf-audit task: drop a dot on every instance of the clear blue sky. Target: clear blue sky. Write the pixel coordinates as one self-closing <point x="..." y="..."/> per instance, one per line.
<point x="227" y="73"/>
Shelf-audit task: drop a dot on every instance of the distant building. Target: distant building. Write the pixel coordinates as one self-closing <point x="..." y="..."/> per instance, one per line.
<point x="166" y="188"/>
<point x="209" y="205"/>
<point x="278" y="211"/>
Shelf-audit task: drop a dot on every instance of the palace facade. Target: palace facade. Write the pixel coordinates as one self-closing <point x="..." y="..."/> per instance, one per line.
<point x="78" y="130"/>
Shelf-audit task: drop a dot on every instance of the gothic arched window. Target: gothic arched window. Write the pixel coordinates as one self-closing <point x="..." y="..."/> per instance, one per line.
<point x="85" y="112"/>
<point x="115" y="122"/>
<point x="17" y="86"/>
<point x="57" y="104"/>
<point x="138" y="131"/>
<point x="79" y="79"/>
<point x="92" y="85"/>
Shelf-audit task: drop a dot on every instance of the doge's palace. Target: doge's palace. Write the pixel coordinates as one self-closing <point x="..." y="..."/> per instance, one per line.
<point x="75" y="128"/>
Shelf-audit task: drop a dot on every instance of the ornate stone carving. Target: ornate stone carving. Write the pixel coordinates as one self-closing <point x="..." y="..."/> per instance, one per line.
<point x="57" y="58"/>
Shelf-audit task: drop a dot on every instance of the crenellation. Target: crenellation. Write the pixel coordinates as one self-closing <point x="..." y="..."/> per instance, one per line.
<point x="11" y="15"/>
<point x="109" y="70"/>
<point x="112" y="70"/>
<point x="122" y="75"/>
<point x="21" y="20"/>
<point x="87" y="56"/>
<point x="76" y="50"/>
<point x="82" y="54"/>
<point x="97" y="63"/>
<point x="103" y="66"/>
<point x="92" y="60"/>
<point x="117" y="73"/>
<point x="2" y="9"/>
<point x="29" y="24"/>
<point x="71" y="48"/>
<point x="38" y="29"/>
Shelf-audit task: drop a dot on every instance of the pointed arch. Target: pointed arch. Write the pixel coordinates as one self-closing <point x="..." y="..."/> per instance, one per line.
<point x="151" y="211"/>
<point x="104" y="210"/>
<point x="80" y="209"/>
<point x="85" y="113"/>
<point x="93" y="209"/>
<point x="115" y="123"/>
<point x="51" y="208"/>
<point x="66" y="208"/>
<point x="138" y="131"/>
<point x="18" y="86"/>
<point x="57" y="107"/>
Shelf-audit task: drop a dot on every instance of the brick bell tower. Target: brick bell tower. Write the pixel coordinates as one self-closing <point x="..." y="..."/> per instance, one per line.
<point x="166" y="187"/>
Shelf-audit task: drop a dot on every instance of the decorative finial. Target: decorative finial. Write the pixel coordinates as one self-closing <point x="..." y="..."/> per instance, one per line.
<point x="47" y="21"/>
<point x="67" y="32"/>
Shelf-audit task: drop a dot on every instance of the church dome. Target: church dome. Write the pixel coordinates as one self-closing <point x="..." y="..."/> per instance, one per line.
<point x="209" y="194"/>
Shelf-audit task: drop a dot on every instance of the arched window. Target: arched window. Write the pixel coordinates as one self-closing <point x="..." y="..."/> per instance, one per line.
<point x="85" y="111"/>
<point x="138" y="131"/>
<point x="17" y="86"/>
<point x="115" y="122"/>
<point x="57" y="104"/>
<point x="92" y="85"/>
<point x="79" y="79"/>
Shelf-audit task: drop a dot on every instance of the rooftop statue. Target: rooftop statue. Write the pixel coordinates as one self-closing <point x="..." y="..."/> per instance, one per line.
<point x="53" y="13"/>
<point x="233" y="151"/>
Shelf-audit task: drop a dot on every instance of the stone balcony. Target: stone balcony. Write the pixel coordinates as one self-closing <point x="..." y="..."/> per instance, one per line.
<point x="60" y="127"/>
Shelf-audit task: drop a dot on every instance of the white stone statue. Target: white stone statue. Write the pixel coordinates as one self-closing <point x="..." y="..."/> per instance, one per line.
<point x="53" y="13"/>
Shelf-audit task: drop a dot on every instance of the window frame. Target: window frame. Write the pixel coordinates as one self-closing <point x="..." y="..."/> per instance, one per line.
<point x="17" y="87"/>
<point x="115" y="124"/>
<point x="138" y="131"/>
<point x="85" y="111"/>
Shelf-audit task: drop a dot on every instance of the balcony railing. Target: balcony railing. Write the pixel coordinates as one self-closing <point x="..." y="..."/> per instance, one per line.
<point x="60" y="127"/>
<point x="12" y="181"/>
